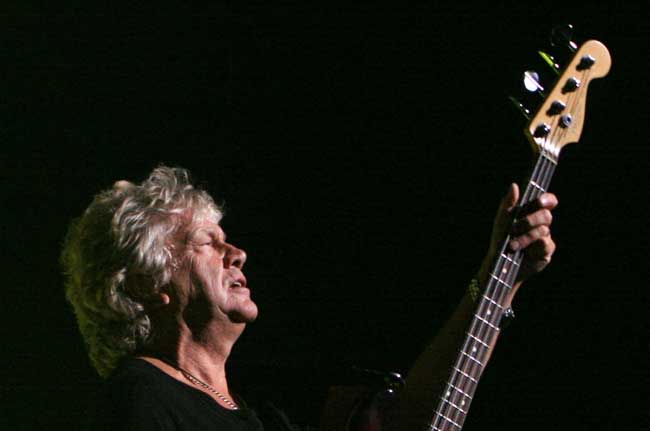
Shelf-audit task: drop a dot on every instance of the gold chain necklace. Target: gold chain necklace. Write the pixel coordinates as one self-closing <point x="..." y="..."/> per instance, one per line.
<point x="189" y="376"/>
<point x="221" y="396"/>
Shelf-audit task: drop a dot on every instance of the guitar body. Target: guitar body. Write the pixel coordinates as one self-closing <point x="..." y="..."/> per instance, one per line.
<point x="368" y="412"/>
<point x="364" y="405"/>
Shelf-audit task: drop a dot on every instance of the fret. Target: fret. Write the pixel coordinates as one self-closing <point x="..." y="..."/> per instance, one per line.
<point x="483" y="329"/>
<point x="472" y="358"/>
<point x="537" y="186"/>
<point x="500" y="281"/>
<point x="448" y="420"/>
<point x="465" y="394"/>
<point x="496" y="328"/>
<point x="466" y="375"/>
<point x="474" y="348"/>
<point x="493" y="302"/>
<point x="479" y="340"/>
<point x="475" y="352"/>
<point x="477" y="344"/>
<point x="549" y="159"/>
<point x="487" y="311"/>
<point x="444" y="400"/>
<point x="540" y="173"/>
<point x="509" y="259"/>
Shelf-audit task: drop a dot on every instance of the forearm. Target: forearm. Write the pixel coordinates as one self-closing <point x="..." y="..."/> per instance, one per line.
<point x="430" y="373"/>
<point x="428" y="377"/>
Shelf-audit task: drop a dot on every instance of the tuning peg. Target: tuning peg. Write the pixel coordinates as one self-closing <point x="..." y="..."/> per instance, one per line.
<point x="531" y="82"/>
<point x="561" y="36"/>
<point x="520" y="106"/>
<point x="550" y="60"/>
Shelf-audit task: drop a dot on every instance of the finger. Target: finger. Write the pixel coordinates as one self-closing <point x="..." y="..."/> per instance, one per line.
<point x="541" y="250"/>
<point x="537" y="256"/>
<point x="531" y="221"/>
<point x="522" y="241"/>
<point x="510" y="199"/>
<point x="548" y="200"/>
<point x="506" y="207"/>
<point x="545" y="200"/>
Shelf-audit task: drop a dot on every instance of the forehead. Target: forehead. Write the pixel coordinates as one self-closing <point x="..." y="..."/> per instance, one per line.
<point x="202" y="214"/>
<point x="204" y="226"/>
<point x="205" y="220"/>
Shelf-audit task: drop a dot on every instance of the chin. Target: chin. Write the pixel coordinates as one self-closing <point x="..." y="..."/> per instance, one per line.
<point x="246" y="314"/>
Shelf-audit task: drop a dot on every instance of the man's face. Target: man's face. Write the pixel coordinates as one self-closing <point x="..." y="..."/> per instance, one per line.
<point x="210" y="274"/>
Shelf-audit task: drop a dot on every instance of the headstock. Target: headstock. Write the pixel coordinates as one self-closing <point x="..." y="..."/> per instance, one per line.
<point x="560" y="118"/>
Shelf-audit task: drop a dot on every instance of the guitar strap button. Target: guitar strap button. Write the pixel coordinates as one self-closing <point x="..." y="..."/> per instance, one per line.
<point x="506" y="318"/>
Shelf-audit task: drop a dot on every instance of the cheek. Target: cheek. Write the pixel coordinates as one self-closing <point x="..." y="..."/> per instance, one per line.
<point x="207" y="272"/>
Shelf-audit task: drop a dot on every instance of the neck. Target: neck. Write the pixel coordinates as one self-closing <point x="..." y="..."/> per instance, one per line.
<point x="203" y="351"/>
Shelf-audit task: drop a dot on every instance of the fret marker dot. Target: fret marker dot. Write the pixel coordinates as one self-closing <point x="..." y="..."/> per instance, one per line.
<point x="462" y="403"/>
<point x="504" y="270"/>
<point x="474" y="349"/>
<point x="448" y="394"/>
<point x="489" y="312"/>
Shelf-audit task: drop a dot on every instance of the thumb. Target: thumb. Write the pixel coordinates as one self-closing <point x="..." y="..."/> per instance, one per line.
<point x="511" y="198"/>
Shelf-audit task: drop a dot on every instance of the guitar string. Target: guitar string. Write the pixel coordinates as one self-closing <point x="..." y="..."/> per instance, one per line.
<point x="468" y="387"/>
<point x="560" y="130"/>
<point x="482" y="331"/>
<point x="444" y="413"/>
<point x="450" y="410"/>
<point x="550" y="139"/>
<point x="545" y="166"/>
<point x="541" y="175"/>
<point x="548" y="170"/>
<point x="446" y="410"/>
<point x="583" y="78"/>
<point x="543" y="180"/>
<point x="574" y="99"/>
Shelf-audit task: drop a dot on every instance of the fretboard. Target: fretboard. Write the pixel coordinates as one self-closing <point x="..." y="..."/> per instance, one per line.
<point x="484" y="328"/>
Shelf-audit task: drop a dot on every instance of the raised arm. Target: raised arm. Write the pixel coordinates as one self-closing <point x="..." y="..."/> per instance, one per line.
<point x="427" y="378"/>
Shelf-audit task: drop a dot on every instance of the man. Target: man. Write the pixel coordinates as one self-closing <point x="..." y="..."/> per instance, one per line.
<point x="161" y="298"/>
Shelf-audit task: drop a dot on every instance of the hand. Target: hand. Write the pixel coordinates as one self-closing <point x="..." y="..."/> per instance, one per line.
<point x="530" y="233"/>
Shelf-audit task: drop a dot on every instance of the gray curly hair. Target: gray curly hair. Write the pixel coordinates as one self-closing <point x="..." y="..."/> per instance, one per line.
<point x="126" y="230"/>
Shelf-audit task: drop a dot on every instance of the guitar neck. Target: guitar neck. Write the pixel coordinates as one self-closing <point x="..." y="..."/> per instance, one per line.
<point x="484" y="327"/>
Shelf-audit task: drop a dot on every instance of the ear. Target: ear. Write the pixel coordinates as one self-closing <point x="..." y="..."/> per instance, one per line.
<point x="158" y="301"/>
<point x="161" y="299"/>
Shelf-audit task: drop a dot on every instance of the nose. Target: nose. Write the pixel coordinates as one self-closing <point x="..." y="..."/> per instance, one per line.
<point x="234" y="257"/>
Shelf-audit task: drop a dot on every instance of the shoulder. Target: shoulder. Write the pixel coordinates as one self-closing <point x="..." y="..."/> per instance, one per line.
<point x="136" y="372"/>
<point x="137" y="381"/>
<point x="136" y="396"/>
<point x="139" y="396"/>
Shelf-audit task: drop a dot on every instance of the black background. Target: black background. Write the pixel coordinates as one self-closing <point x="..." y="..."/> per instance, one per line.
<point x="360" y="154"/>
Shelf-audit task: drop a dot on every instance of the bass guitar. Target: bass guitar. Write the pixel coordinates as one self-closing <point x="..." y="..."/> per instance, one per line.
<point x="558" y="122"/>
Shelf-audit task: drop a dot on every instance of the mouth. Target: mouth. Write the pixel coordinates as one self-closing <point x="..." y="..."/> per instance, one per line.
<point x="239" y="282"/>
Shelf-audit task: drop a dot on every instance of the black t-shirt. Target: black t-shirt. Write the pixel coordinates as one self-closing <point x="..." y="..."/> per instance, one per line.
<point x="139" y="396"/>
